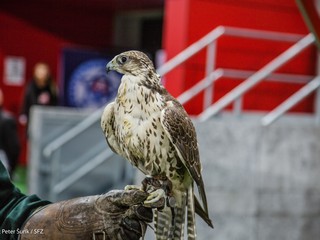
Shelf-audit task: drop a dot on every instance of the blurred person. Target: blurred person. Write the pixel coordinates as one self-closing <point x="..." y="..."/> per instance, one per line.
<point x="118" y="214"/>
<point x="9" y="140"/>
<point x="40" y="91"/>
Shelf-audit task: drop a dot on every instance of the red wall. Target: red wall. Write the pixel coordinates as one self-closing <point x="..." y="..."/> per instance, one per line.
<point x="186" y="21"/>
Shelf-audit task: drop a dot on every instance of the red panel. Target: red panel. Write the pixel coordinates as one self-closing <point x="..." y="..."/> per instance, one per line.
<point x="175" y="40"/>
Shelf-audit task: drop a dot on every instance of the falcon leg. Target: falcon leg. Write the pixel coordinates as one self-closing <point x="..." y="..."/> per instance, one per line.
<point x="156" y="198"/>
<point x="167" y="186"/>
<point x="149" y="184"/>
<point x="170" y="200"/>
<point x="160" y="188"/>
<point x="153" y="186"/>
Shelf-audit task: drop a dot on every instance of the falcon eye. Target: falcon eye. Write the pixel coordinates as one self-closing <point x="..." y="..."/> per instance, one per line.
<point x="123" y="59"/>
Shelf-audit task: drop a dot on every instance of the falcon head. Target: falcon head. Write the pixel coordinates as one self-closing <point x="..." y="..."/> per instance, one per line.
<point x="131" y="63"/>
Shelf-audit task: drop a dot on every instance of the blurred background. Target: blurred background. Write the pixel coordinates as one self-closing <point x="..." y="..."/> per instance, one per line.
<point x="247" y="71"/>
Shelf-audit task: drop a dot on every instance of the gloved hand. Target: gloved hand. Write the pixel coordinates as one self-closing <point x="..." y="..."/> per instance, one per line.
<point x="118" y="214"/>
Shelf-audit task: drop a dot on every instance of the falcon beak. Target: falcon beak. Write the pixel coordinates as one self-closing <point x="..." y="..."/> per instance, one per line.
<point x="109" y="66"/>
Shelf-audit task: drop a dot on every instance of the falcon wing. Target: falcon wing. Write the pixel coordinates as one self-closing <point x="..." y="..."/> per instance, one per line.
<point x="107" y="125"/>
<point x="182" y="135"/>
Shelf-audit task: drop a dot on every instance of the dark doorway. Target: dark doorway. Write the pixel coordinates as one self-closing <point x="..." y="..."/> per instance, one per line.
<point x="151" y="35"/>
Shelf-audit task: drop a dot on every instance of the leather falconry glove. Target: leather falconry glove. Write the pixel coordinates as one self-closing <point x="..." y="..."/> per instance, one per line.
<point x="118" y="214"/>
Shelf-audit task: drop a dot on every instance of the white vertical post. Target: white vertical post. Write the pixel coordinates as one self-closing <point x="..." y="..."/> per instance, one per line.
<point x="317" y="97"/>
<point x="237" y="106"/>
<point x="54" y="172"/>
<point x="210" y="66"/>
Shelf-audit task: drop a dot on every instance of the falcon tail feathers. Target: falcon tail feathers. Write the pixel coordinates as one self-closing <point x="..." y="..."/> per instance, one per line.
<point x="171" y="226"/>
<point x="202" y="213"/>
<point x="203" y="195"/>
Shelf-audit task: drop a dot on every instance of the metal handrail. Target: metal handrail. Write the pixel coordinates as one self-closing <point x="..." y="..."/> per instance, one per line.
<point x="272" y="77"/>
<point x="191" y="50"/>
<point x="82" y="171"/>
<point x="71" y="133"/>
<point x="173" y="63"/>
<point x="257" y="77"/>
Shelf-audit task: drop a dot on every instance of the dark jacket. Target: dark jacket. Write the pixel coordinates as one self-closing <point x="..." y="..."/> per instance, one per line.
<point x="39" y="96"/>
<point x="9" y="140"/>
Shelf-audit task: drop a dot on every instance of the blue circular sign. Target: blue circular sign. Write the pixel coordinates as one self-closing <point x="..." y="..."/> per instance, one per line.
<point x="90" y="86"/>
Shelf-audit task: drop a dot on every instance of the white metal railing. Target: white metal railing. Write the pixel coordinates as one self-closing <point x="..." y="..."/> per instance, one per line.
<point x="212" y="74"/>
<point x="257" y="77"/>
<point x="59" y="187"/>
<point x="73" y="132"/>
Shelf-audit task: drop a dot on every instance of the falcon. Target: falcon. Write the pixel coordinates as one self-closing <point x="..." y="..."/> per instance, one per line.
<point x="151" y="129"/>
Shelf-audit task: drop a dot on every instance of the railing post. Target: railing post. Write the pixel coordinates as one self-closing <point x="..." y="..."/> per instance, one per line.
<point x="237" y="106"/>
<point x="54" y="173"/>
<point x="210" y="66"/>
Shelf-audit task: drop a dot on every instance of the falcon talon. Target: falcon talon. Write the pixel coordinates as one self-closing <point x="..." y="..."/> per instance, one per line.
<point x="155" y="196"/>
<point x="159" y="205"/>
<point x="132" y="187"/>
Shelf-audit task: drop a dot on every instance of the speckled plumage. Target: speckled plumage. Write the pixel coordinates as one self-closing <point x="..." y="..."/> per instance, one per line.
<point x="151" y="129"/>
